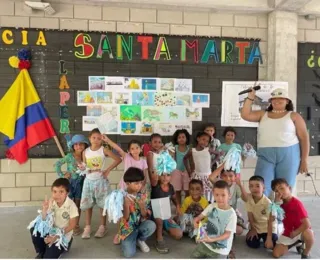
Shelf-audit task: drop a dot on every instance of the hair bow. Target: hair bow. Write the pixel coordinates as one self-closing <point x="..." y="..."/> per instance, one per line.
<point x="165" y="164"/>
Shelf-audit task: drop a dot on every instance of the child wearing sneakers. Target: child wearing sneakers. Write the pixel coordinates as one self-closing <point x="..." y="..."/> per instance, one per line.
<point x="216" y="236"/>
<point x="297" y="226"/>
<point x="257" y="205"/>
<point x="96" y="186"/>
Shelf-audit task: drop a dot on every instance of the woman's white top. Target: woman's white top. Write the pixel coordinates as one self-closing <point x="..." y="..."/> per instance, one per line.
<point x="280" y="132"/>
<point x="202" y="161"/>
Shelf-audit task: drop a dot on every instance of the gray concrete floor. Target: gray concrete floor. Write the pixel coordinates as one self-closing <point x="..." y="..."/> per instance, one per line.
<point x="16" y="242"/>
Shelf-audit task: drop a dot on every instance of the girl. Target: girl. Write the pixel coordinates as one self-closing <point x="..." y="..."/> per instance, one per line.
<point x="198" y="162"/>
<point x="77" y="145"/>
<point x="152" y="156"/>
<point x="161" y="188"/>
<point x="131" y="159"/>
<point x="180" y="178"/>
<point x="96" y="185"/>
<point x="210" y="129"/>
<point x="229" y="135"/>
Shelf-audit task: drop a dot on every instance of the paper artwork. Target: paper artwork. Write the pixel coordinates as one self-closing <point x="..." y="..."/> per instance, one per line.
<point x="168" y="129"/>
<point x="122" y="98"/>
<point x="96" y="83"/>
<point x="183" y="99"/>
<point x="151" y="114"/>
<point x="113" y="111"/>
<point x="183" y="85"/>
<point x="149" y="83"/>
<point x="200" y="100"/>
<point x="132" y="83"/>
<point x="164" y="99"/>
<point x="161" y="208"/>
<point x="86" y="98"/>
<point x="104" y="98"/>
<point x="107" y="124"/>
<point x="130" y="113"/>
<point x="128" y="128"/>
<point x="193" y="114"/>
<point x="174" y="114"/>
<point x="143" y="98"/>
<point x="114" y="83"/>
<point x="94" y="110"/>
<point x="167" y="84"/>
<point x="146" y="128"/>
<point x="89" y="123"/>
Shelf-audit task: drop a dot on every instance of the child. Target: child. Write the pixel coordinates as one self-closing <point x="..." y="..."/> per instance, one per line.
<point x="77" y="144"/>
<point x="52" y="230"/>
<point x="198" y="162"/>
<point x="161" y="188"/>
<point x="130" y="159"/>
<point x="257" y="205"/>
<point x="134" y="229"/>
<point x="216" y="242"/>
<point x="96" y="185"/>
<point x="210" y="129"/>
<point x="180" y="178"/>
<point x="156" y="146"/>
<point x="229" y="135"/>
<point x="192" y="206"/>
<point x="297" y="226"/>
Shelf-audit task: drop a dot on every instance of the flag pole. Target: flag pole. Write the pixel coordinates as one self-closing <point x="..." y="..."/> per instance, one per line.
<point x="59" y="145"/>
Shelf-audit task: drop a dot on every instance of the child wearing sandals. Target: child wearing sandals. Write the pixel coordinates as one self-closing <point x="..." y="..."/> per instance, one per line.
<point x="130" y="159"/>
<point x="297" y="226"/>
<point x="160" y="167"/>
<point x="96" y="186"/>
<point x="77" y="144"/>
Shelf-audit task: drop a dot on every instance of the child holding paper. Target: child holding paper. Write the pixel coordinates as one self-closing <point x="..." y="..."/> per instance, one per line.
<point x="216" y="236"/>
<point x="162" y="189"/>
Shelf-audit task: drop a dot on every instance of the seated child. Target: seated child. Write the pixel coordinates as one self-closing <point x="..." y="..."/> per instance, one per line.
<point x="192" y="206"/>
<point x="257" y="205"/>
<point x="160" y="177"/>
<point x="297" y="226"/>
<point x="216" y="236"/>
<point x="134" y="226"/>
<point x="52" y="230"/>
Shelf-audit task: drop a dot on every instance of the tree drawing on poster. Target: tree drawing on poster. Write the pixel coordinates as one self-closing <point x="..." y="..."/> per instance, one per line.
<point x="138" y="106"/>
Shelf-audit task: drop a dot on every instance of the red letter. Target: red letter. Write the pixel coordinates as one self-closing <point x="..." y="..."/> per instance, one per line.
<point x="242" y="51"/>
<point x="82" y="40"/>
<point x="145" y="40"/>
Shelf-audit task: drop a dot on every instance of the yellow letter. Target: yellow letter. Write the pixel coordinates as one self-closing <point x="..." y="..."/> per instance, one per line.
<point x="5" y="38"/>
<point x="24" y="35"/>
<point x="41" y="39"/>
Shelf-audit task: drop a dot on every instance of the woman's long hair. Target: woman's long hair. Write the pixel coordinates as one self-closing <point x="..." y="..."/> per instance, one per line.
<point x="289" y="107"/>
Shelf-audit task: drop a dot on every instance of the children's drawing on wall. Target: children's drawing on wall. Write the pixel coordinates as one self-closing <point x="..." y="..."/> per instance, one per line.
<point x="200" y="100"/>
<point x="132" y="83"/>
<point x="122" y="98"/>
<point x="165" y="128"/>
<point x="193" y="114"/>
<point x="261" y="102"/>
<point x="174" y="114"/>
<point x="94" y="110"/>
<point x="151" y="114"/>
<point x="130" y="113"/>
<point x="146" y="128"/>
<point x="112" y="111"/>
<point x="183" y="85"/>
<point x="114" y="83"/>
<point x="107" y="124"/>
<point x="96" y="83"/>
<point x="184" y="125"/>
<point x="104" y="98"/>
<point x="164" y="99"/>
<point x="149" y="84"/>
<point x="183" y="99"/>
<point x="128" y="128"/>
<point x="86" y="98"/>
<point x="167" y="84"/>
<point x="88" y="123"/>
<point x="143" y="98"/>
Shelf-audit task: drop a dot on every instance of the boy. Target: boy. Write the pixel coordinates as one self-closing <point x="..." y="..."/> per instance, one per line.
<point x="65" y="216"/>
<point x="221" y="226"/>
<point x="134" y="228"/>
<point x="297" y="226"/>
<point x="192" y="206"/>
<point x="257" y="205"/>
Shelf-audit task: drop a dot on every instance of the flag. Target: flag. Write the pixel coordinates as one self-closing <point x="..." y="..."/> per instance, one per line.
<point x="23" y="118"/>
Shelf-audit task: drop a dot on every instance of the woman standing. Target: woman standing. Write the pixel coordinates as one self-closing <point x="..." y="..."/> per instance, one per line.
<point x="283" y="140"/>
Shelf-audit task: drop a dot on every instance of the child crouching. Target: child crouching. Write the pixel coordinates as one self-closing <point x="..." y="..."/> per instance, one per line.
<point x="52" y="230"/>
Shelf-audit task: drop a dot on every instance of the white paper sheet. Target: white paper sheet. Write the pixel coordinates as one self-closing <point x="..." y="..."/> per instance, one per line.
<point x="161" y="208"/>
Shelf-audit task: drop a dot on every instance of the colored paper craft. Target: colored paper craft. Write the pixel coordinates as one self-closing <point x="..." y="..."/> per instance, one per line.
<point x="89" y="123"/>
<point x="143" y="98"/>
<point x="86" y="98"/>
<point x="167" y="84"/>
<point x="64" y="112"/>
<point x="64" y="126"/>
<point x="130" y="113"/>
<point x="122" y="98"/>
<point x="149" y="83"/>
<point x="183" y="99"/>
<point x="64" y="96"/>
<point x="200" y="100"/>
<point x="151" y="114"/>
<point x="132" y="83"/>
<point x="114" y="83"/>
<point x="193" y="114"/>
<point x="96" y="83"/>
<point x="164" y="99"/>
<point x="104" y="98"/>
<point x="63" y="82"/>
<point x="62" y="70"/>
<point x="183" y="85"/>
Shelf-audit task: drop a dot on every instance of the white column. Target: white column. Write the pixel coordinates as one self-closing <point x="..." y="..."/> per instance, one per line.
<point x="283" y="49"/>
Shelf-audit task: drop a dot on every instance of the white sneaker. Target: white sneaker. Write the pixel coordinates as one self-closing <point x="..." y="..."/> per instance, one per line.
<point x="143" y="246"/>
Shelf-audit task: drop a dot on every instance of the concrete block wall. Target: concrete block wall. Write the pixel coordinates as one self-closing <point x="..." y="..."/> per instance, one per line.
<point x="308" y="30"/>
